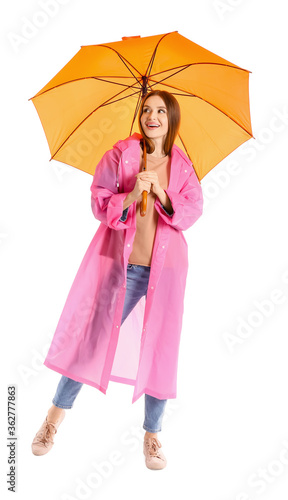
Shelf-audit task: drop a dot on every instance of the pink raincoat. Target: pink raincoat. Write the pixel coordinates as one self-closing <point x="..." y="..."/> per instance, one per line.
<point x="89" y="344"/>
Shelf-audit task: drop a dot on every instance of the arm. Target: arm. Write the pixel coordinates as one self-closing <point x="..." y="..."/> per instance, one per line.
<point x="165" y="202"/>
<point x="187" y="205"/>
<point x="106" y="202"/>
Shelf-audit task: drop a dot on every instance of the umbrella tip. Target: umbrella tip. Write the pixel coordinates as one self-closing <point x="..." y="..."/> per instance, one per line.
<point x="129" y="37"/>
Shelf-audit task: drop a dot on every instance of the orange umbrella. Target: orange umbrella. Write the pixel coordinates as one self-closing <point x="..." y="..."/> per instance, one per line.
<point x="94" y="100"/>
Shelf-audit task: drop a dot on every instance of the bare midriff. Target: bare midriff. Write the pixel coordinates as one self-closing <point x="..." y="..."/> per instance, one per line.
<point x="146" y="226"/>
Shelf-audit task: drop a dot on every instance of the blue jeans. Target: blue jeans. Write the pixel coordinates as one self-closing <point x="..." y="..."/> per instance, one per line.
<point x="67" y="390"/>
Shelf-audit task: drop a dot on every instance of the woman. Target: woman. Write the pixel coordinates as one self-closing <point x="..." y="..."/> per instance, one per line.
<point x="131" y="259"/>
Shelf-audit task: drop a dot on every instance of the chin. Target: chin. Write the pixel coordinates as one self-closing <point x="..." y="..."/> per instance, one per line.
<point x="152" y="134"/>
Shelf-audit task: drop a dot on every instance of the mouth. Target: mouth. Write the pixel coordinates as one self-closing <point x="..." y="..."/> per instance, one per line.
<point x="152" y="126"/>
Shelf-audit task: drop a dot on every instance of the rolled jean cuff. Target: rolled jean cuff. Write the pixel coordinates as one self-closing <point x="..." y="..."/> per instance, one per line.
<point x="64" y="407"/>
<point x="154" y="412"/>
<point x="151" y="430"/>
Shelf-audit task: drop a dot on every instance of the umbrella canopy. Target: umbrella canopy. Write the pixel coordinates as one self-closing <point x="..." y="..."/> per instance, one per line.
<point x="94" y="100"/>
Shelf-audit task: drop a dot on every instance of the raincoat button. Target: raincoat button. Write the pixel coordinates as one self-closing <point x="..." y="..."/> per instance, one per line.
<point x="163" y="246"/>
<point x="126" y="161"/>
<point x="128" y="245"/>
<point x="185" y="170"/>
<point x="117" y="326"/>
<point x="152" y="287"/>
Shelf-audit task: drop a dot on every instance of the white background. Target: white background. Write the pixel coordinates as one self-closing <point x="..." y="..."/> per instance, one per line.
<point x="226" y="435"/>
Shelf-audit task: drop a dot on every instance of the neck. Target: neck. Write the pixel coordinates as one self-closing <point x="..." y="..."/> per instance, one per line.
<point x="159" y="150"/>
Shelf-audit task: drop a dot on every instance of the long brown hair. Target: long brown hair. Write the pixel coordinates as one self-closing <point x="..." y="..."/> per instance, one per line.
<point x="174" y="116"/>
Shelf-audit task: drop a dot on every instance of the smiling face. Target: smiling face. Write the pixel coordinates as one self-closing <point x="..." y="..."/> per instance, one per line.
<point x="154" y="118"/>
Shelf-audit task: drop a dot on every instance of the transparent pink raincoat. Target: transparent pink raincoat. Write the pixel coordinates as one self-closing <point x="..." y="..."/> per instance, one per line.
<point x="89" y="344"/>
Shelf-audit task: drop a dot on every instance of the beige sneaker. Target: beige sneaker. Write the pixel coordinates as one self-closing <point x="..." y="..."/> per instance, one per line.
<point x="43" y="440"/>
<point x="154" y="457"/>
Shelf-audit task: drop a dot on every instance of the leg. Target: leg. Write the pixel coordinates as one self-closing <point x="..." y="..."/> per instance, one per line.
<point x="154" y="411"/>
<point x="68" y="389"/>
<point x="66" y="392"/>
<point x="136" y="287"/>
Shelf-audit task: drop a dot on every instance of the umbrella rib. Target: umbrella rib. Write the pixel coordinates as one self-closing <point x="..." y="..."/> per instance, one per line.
<point x="182" y="142"/>
<point x="149" y="67"/>
<point x="171" y="33"/>
<point x="125" y="62"/>
<point x="109" y="101"/>
<point x="199" y="63"/>
<point x="136" y="110"/>
<point x="101" y="78"/>
<point x="183" y="69"/>
<point x="188" y="94"/>
<point x="135" y="113"/>
<point x="89" y="78"/>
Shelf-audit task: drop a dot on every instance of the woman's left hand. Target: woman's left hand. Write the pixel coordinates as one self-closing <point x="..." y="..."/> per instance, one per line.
<point x="151" y="176"/>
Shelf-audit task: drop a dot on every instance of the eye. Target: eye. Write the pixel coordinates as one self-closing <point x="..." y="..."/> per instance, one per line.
<point x="146" y="110"/>
<point x="162" y="110"/>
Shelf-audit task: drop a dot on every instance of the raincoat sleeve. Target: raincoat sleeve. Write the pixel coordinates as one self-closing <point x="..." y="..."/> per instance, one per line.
<point x="187" y="204"/>
<point x="106" y="201"/>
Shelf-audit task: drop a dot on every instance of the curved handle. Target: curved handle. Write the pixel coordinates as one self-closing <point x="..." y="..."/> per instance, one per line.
<point x="143" y="205"/>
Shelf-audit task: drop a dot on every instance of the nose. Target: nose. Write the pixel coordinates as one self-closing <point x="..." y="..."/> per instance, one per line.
<point x="154" y="114"/>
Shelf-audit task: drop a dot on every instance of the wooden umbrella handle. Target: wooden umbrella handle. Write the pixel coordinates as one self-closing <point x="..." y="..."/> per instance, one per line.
<point x="143" y="204"/>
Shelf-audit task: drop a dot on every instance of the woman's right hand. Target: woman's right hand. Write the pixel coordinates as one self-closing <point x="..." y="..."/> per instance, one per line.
<point x="140" y="186"/>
